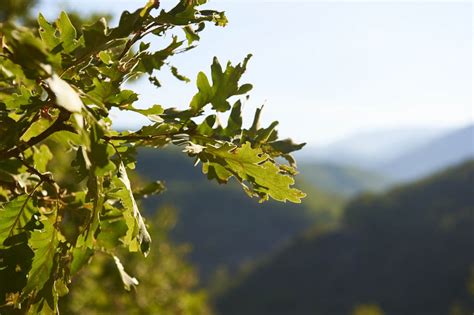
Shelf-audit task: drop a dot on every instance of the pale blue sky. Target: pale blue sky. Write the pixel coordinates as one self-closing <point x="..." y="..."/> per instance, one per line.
<point x="329" y="69"/>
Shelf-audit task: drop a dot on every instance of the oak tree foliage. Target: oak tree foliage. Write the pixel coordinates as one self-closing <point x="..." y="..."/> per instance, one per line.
<point x="58" y="84"/>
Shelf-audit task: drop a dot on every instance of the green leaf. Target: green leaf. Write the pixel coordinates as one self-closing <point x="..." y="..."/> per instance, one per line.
<point x="15" y="262"/>
<point x="151" y="62"/>
<point x="47" y="33"/>
<point x="14" y="216"/>
<point x="245" y="88"/>
<point x="105" y="57"/>
<point x="67" y="32"/>
<point x="44" y="244"/>
<point x="128" y="24"/>
<point x="286" y="146"/>
<point x="137" y="236"/>
<point x="101" y="152"/>
<point x="253" y="166"/>
<point x="30" y="52"/>
<point x="177" y="75"/>
<point x="107" y="94"/>
<point x="41" y="157"/>
<point x="191" y="35"/>
<point x="95" y="35"/>
<point x="80" y="257"/>
<point x="79" y="81"/>
<point x="205" y="93"/>
<point x="16" y="100"/>
<point x="225" y="84"/>
<point x="95" y="192"/>
<point x="216" y="171"/>
<point x="153" y="113"/>
<point x="151" y="4"/>
<point x="266" y="134"/>
<point x="113" y="228"/>
<point x="185" y="13"/>
<point x="234" y="123"/>
<point x="206" y="127"/>
<point x="37" y="128"/>
<point x="251" y="133"/>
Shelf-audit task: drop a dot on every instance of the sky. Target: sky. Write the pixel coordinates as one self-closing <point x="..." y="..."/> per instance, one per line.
<point x="327" y="70"/>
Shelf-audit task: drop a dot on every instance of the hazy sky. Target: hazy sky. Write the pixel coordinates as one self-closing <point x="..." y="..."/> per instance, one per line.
<point x="329" y="69"/>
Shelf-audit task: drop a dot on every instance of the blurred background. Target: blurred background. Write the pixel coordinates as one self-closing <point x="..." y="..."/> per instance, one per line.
<point x="382" y="92"/>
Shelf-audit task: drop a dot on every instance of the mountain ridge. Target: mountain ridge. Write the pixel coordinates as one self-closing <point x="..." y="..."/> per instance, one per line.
<point x="448" y="149"/>
<point x="407" y="251"/>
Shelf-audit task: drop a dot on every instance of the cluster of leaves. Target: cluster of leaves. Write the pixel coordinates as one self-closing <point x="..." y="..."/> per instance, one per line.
<point x="11" y="9"/>
<point x="57" y="87"/>
<point x="167" y="284"/>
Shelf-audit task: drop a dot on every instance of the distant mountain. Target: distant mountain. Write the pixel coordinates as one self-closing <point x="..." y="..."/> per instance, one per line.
<point x="222" y="224"/>
<point x="366" y="149"/>
<point x="344" y="180"/>
<point x="443" y="151"/>
<point x="408" y="251"/>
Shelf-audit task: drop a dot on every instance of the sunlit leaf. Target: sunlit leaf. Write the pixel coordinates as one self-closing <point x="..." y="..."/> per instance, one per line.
<point x="41" y="157"/>
<point x="47" y="32"/>
<point x="44" y="243"/>
<point x="137" y="236"/>
<point x="253" y="166"/>
<point x="225" y="83"/>
<point x="67" y="32"/>
<point x="63" y="165"/>
<point x="14" y="216"/>
<point x="37" y="128"/>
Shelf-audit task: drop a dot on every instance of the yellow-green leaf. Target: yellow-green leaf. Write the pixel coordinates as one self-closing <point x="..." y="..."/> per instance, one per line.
<point x="253" y="166"/>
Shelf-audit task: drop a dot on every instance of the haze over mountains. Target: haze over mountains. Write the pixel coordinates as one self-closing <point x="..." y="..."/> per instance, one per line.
<point x="365" y="149"/>
<point x="447" y="149"/>
<point x="398" y="155"/>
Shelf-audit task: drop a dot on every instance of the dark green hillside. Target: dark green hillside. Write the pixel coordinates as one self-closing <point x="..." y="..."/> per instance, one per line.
<point x="345" y="180"/>
<point x="224" y="226"/>
<point x="409" y="251"/>
<point x="168" y="165"/>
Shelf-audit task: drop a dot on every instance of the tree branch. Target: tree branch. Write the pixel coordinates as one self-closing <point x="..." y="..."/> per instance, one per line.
<point x="58" y="125"/>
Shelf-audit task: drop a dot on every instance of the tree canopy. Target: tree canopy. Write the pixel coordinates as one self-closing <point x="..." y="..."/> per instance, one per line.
<point x="58" y="85"/>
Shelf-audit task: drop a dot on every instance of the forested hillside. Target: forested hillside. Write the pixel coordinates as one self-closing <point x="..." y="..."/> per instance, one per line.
<point x="408" y="251"/>
<point x="345" y="180"/>
<point x="223" y="226"/>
